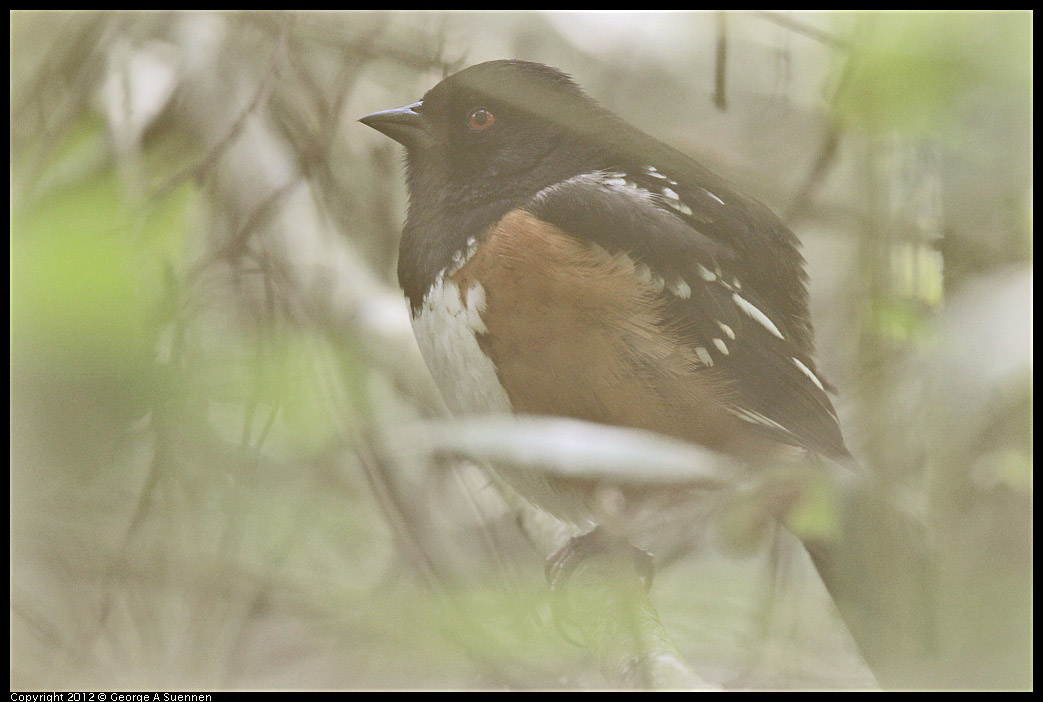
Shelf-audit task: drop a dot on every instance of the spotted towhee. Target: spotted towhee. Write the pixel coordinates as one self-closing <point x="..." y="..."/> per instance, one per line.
<point x="559" y="261"/>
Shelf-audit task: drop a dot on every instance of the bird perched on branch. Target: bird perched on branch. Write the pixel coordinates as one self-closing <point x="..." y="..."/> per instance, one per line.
<point x="559" y="261"/>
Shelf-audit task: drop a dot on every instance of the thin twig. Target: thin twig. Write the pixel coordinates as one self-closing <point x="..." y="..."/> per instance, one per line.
<point x="720" y="93"/>
<point x="196" y="171"/>
<point x="804" y="29"/>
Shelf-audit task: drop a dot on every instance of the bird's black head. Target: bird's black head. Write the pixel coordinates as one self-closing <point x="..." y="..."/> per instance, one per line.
<point x="486" y="140"/>
<point x="492" y="128"/>
<point x="481" y="142"/>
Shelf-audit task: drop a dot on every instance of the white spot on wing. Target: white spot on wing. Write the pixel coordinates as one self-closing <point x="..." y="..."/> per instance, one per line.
<point x="713" y="196"/>
<point x="654" y="172"/>
<point x="758" y="418"/>
<point x="673" y="200"/>
<point x="751" y="310"/>
<point x="721" y="346"/>
<point x="807" y="372"/>
<point x="704" y="356"/>
<point x="706" y="274"/>
<point x="605" y="179"/>
<point x="678" y="287"/>
<point x="727" y="330"/>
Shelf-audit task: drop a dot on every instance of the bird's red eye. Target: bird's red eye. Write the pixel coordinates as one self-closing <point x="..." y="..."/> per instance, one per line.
<point x="480" y="119"/>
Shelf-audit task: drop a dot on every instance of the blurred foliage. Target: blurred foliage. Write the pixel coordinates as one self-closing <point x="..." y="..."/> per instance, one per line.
<point x="913" y="71"/>
<point x="209" y="352"/>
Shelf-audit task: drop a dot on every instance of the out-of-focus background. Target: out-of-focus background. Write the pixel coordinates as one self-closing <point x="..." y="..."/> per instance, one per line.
<point x="212" y="378"/>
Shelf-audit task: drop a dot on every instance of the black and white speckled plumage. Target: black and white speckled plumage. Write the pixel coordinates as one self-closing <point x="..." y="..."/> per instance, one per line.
<point x="732" y="277"/>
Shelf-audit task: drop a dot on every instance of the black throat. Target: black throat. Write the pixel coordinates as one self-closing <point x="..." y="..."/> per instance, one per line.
<point x="444" y="220"/>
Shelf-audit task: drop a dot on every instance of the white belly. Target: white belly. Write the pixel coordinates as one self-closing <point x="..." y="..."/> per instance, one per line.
<point x="445" y="329"/>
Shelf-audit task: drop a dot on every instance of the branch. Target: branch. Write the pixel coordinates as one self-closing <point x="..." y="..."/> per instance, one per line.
<point x="606" y="600"/>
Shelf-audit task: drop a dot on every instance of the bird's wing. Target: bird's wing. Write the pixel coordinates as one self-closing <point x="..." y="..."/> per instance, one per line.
<point x="729" y="323"/>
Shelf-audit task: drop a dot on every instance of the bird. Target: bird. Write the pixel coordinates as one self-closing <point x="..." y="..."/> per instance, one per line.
<point x="558" y="260"/>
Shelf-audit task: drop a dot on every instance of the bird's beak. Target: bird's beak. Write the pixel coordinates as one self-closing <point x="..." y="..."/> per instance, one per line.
<point x="406" y="125"/>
